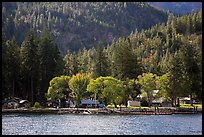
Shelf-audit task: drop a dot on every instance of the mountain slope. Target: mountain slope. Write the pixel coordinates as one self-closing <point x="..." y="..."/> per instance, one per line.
<point x="179" y="8"/>
<point x="75" y="25"/>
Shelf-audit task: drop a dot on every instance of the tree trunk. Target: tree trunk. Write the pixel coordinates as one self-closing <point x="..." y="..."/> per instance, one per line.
<point x="126" y="103"/>
<point x="120" y="106"/>
<point x="178" y="102"/>
<point x="191" y="99"/>
<point x="148" y="98"/>
<point x="115" y="105"/>
<point x="31" y="89"/>
<point x="172" y="102"/>
<point x="77" y="103"/>
<point x="13" y="88"/>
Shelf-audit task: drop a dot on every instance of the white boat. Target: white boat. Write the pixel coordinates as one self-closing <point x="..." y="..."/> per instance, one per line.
<point x="86" y="112"/>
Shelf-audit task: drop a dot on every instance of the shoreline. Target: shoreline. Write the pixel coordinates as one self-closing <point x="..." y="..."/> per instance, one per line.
<point x="103" y="111"/>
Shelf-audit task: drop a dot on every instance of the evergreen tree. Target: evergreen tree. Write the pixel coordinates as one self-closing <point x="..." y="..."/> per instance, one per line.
<point x="175" y="77"/>
<point x="50" y="62"/>
<point x="74" y="67"/>
<point x="67" y="63"/>
<point x="124" y="60"/>
<point x="100" y="67"/>
<point x="188" y="25"/>
<point x="29" y="66"/>
<point x="11" y="67"/>
<point x="4" y="67"/>
<point x="83" y="61"/>
<point x="171" y="31"/>
<point x="190" y="68"/>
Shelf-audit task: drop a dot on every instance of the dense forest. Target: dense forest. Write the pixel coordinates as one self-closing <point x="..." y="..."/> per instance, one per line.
<point x="166" y="57"/>
<point x="74" y="25"/>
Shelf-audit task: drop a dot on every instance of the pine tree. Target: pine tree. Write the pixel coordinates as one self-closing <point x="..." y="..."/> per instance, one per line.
<point x="50" y="62"/>
<point x="100" y="67"/>
<point x="4" y="67"/>
<point x="10" y="67"/>
<point x="190" y="68"/>
<point x="188" y="25"/>
<point x="29" y="66"/>
<point x="124" y="60"/>
<point x="175" y="77"/>
<point x="83" y="61"/>
<point x="170" y="32"/>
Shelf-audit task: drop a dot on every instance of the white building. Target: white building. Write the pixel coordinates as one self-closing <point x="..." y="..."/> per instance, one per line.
<point x="134" y="103"/>
<point x="89" y="103"/>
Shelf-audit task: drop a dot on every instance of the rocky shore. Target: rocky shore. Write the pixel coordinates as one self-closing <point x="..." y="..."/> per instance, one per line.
<point x="123" y="111"/>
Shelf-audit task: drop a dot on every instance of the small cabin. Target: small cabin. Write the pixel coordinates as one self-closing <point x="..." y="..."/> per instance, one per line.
<point x="186" y="100"/>
<point x="89" y="103"/>
<point x="134" y="103"/>
<point x="10" y="104"/>
<point x="161" y="102"/>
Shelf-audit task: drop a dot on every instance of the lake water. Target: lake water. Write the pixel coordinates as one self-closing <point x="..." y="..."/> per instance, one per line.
<point x="70" y="124"/>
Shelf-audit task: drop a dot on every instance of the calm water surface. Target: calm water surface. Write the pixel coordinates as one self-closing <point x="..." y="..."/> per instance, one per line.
<point x="70" y="124"/>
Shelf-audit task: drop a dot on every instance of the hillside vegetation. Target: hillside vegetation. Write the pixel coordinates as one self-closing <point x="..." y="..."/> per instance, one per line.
<point x="74" y="25"/>
<point x="166" y="57"/>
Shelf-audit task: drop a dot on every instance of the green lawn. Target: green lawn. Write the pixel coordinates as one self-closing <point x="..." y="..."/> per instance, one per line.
<point x="123" y="106"/>
<point x="189" y="105"/>
<point x="181" y="106"/>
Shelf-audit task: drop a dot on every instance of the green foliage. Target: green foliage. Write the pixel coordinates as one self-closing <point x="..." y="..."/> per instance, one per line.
<point x="148" y="84"/>
<point x="173" y="52"/>
<point x="131" y="90"/>
<point x="29" y="65"/>
<point x="100" y="67"/>
<point x="163" y="85"/>
<point x="175" y="77"/>
<point x="50" y="61"/>
<point x="107" y="90"/>
<point x="10" y="68"/>
<point x="191" y="70"/>
<point x="96" y="87"/>
<point x="28" y="69"/>
<point x="58" y="89"/>
<point x="37" y="105"/>
<point x="75" y="18"/>
<point x="124" y="61"/>
<point x="78" y="85"/>
<point x="27" y="105"/>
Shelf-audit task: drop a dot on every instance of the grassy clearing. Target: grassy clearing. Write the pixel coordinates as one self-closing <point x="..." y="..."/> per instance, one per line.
<point x="181" y="106"/>
<point x="123" y="106"/>
<point x="189" y="105"/>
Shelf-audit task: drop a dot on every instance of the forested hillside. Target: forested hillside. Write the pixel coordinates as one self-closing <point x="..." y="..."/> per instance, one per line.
<point x="167" y="57"/>
<point x="74" y="25"/>
<point x="171" y="53"/>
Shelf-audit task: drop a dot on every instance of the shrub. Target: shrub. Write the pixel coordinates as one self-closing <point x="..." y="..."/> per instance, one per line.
<point x="37" y="105"/>
<point x="27" y="105"/>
